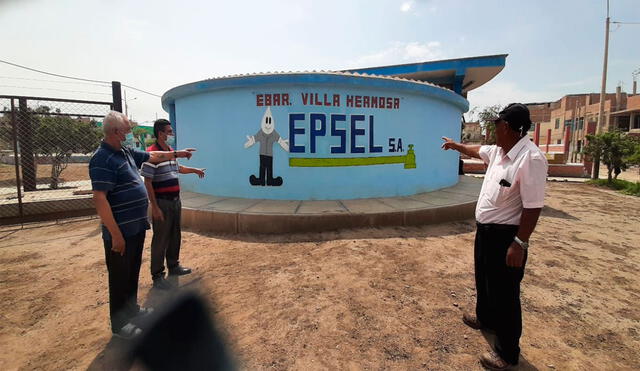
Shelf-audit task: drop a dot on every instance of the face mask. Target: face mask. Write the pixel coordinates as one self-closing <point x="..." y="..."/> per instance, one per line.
<point x="128" y="141"/>
<point x="171" y="140"/>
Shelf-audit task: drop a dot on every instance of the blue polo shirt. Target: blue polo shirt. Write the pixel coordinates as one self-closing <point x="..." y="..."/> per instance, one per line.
<point x="116" y="173"/>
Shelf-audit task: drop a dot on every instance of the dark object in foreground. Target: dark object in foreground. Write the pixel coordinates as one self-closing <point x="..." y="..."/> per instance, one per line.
<point x="180" y="336"/>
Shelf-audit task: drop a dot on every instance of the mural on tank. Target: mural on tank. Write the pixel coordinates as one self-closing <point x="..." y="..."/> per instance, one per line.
<point x="267" y="136"/>
<point x="316" y="136"/>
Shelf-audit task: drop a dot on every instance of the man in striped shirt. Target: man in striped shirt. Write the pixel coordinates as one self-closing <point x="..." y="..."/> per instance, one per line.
<point x="121" y="201"/>
<point x="163" y="187"/>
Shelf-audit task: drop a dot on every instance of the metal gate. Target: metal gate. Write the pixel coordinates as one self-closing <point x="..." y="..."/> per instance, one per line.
<point x="45" y="147"/>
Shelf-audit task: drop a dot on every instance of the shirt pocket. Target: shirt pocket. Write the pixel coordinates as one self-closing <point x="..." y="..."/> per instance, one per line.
<point x="497" y="194"/>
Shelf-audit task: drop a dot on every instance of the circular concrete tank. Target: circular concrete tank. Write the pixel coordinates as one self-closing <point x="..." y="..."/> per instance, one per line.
<point x="316" y="136"/>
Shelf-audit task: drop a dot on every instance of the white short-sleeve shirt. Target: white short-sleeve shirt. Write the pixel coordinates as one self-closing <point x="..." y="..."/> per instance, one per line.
<point x="513" y="181"/>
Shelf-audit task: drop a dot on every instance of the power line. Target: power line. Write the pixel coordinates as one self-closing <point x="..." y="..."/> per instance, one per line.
<point x="142" y="91"/>
<point x="52" y="74"/>
<point x="75" y="78"/>
<point x="54" y="81"/>
<point x="65" y="90"/>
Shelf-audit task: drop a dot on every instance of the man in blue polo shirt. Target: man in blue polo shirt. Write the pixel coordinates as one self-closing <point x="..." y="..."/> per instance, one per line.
<point x="121" y="202"/>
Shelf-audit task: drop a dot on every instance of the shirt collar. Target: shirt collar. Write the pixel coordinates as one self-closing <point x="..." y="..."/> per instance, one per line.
<point x="513" y="152"/>
<point x="160" y="147"/>
<point x="107" y="146"/>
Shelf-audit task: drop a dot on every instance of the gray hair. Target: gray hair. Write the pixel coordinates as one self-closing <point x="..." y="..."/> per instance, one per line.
<point x="114" y="120"/>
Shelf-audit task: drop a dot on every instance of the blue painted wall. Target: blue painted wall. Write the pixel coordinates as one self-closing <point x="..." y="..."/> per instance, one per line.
<point x="216" y="116"/>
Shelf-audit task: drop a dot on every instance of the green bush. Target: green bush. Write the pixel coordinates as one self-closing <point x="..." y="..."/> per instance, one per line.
<point x="623" y="186"/>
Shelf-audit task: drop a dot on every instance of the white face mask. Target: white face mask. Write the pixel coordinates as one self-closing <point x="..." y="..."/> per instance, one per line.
<point x="128" y="141"/>
<point x="171" y="140"/>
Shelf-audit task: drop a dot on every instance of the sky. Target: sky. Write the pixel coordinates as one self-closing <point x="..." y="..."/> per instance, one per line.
<point x="555" y="47"/>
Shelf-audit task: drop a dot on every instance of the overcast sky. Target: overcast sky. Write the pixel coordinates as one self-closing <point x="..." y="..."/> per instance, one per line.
<point x="555" y="47"/>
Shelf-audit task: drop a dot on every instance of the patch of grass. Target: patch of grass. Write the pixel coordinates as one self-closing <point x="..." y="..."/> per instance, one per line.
<point x="623" y="186"/>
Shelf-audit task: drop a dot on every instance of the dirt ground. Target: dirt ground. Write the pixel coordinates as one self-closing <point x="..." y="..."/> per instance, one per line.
<point x="387" y="298"/>
<point x="73" y="172"/>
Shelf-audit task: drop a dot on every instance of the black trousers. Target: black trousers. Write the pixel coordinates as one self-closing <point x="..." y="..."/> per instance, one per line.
<point x="124" y="272"/>
<point x="498" y="287"/>
<point x="167" y="237"/>
<point x="266" y="168"/>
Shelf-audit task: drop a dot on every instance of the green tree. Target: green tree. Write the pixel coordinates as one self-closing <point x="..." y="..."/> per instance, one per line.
<point x="612" y="149"/>
<point x="139" y="133"/>
<point x="486" y="116"/>
<point x="593" y="149"/>
<point x="634" y="157"/>
<point x="58" y="137"/>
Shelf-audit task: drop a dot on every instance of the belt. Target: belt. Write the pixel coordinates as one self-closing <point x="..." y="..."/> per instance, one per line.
<point x="168" y="197"/>
<point x="499" y="227"/>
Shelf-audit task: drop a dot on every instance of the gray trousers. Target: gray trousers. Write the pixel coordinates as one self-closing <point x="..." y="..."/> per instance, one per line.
<point x="166" y="237"/>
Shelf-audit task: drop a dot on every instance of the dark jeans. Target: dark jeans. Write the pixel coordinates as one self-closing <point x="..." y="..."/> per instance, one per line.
<point x="498" y="288"/>
<point x="266" y="167"/>
<point x="124" y="271"/>
<point x="266" y="174"/>
<point x="165" y="243"/>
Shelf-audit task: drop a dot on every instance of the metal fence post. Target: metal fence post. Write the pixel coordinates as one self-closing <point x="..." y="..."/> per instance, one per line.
<point x="26" y="140"/>
<point x="16" y="164"/>
<point x="117" y="96"/>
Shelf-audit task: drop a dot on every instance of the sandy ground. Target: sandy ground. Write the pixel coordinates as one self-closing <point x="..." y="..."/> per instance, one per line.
<point x="73" y="172"/>
<point x="387" y="298"/>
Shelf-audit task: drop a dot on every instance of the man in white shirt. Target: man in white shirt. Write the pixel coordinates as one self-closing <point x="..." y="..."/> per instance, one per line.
<point x="507" y="212"/>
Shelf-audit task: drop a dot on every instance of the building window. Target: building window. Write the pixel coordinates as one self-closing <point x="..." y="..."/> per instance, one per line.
<point x="559" y="141"/>
<point x="557" y="123"/>
<point x="623" y="123"/>
<point x="636" y="122"/>
<point x="581" y="123"/>
<point x="533" y="127"/>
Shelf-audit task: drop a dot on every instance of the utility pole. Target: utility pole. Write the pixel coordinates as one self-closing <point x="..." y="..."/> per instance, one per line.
<point x="604" y="74"/>
<point x="117" y="98"/>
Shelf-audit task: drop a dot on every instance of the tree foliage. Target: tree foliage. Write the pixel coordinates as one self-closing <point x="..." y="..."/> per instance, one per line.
<point x="614" y="149"/>
<point x="58" y="137"/>
<point x="139" y="133"/>
<point x="486" y="116"/>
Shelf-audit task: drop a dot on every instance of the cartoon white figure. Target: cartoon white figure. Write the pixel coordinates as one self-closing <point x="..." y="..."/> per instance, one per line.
<point x="266" y="136"/>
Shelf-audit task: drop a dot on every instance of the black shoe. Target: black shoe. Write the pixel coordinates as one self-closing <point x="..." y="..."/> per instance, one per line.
<point x="179" y="271"/>
<point x="162" y="284"/>
<point x="128" y="332"/>
<point x="275" y="182"/>
<point x="472" y="321"/>
<point x="142" y="311"/>
<point x="256" y="181"/>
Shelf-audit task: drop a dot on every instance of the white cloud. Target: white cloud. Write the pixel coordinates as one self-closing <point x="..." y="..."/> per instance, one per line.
<point x="414" y="6"/>
<point x="400" y="52"/>
<point x="407" y="5"/>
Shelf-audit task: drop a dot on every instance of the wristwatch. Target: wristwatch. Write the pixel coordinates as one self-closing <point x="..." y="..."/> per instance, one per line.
<point x="175" y="154"/>
<point x="524" y="245"/>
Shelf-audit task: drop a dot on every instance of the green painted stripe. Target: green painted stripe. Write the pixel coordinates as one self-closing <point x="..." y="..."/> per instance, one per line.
<point x="352" y="161"/>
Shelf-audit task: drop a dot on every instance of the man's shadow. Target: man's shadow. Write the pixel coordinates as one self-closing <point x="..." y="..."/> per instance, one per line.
<point x="523" y="364"/>
<point x="180" y="334"/>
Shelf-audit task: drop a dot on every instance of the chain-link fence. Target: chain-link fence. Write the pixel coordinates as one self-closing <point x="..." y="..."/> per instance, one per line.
<point x="45" y="147"/>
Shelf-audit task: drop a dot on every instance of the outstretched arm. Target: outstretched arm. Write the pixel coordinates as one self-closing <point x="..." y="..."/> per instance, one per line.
<point x="469" y="150"/>
<point x="191" y="170"/>
<point x="251" y="140"/>
<point x="284" y="143"/>
<point x="156" y="157"/>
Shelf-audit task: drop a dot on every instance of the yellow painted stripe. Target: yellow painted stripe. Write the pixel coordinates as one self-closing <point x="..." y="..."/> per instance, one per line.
<point x="352" y="161"/>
